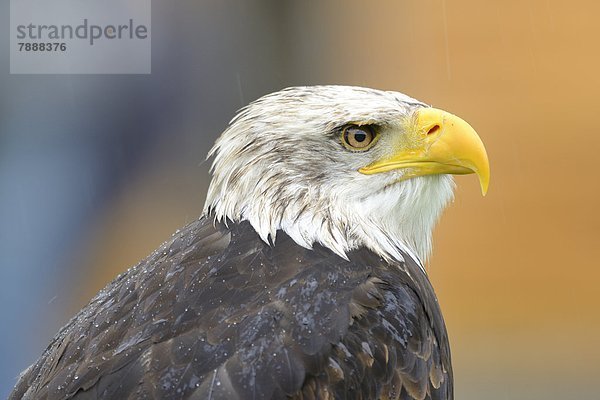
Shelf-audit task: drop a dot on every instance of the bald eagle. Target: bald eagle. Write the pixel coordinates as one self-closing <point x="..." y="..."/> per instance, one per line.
<point x="304" y="276"/>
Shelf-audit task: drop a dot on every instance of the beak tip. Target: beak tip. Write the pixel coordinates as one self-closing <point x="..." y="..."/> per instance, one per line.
<point x="484" y="182"/>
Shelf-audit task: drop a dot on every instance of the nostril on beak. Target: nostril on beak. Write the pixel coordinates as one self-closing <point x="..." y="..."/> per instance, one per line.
<point x="434" y="129"/>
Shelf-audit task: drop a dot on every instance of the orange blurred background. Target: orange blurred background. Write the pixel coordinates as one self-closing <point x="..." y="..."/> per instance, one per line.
<point x="516" y="272"/>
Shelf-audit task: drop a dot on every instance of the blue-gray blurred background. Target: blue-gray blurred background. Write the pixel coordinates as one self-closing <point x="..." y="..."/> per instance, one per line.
<point x="96" y="171"/>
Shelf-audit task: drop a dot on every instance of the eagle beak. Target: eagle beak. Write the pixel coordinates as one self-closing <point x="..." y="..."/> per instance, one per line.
<point x="439" y="143"/>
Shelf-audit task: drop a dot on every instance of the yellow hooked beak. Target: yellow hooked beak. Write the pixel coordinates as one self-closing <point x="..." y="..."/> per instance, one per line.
<point x="438" y="143"/>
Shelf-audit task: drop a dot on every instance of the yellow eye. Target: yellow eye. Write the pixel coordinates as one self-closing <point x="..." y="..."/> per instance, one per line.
<point x="358" y="138"/>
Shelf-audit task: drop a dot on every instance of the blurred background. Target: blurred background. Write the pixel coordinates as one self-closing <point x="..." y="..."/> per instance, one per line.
<point x="96" y="171"/>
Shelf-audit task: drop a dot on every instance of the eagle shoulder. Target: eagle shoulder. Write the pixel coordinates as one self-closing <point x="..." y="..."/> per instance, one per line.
<point x="218" y="313"/>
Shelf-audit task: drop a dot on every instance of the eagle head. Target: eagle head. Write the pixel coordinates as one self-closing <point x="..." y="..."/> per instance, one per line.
<point x="345" y="167"/>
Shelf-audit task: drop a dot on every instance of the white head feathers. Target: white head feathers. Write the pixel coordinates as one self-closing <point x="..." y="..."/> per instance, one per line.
<point x="280" y="165"/>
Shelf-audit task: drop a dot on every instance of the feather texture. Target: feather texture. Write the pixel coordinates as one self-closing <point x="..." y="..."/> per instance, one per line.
<point x="280" y="165"/>
<point x="216" y="313"/>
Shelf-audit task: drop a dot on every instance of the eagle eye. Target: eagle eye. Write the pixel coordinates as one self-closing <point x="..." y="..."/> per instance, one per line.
<point x="358" y="138"/>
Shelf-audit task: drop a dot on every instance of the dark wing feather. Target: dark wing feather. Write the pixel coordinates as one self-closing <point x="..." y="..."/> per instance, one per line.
<point x="216" y="313"/>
